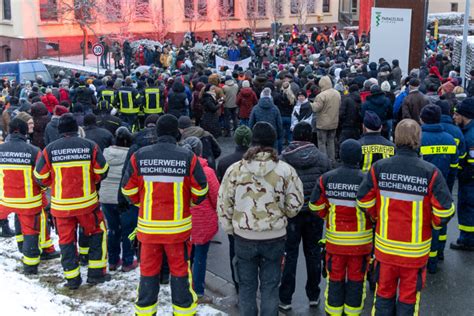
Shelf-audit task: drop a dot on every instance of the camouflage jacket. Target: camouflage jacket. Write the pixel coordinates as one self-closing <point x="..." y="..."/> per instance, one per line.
<point x="256" y="197"/>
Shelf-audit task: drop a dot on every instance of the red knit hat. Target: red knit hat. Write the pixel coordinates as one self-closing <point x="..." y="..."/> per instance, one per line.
<point x="60" y="110"/>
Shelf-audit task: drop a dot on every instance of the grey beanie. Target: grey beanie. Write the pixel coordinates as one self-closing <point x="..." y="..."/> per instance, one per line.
<point x="195" y="144"/>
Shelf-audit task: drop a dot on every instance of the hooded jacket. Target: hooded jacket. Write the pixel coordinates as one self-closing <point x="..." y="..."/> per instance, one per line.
<point x="230" y="94"/>
<point x="115" y="157"/>
<point x="326" y="105"/>
<point x="51" y="132"/>
<point x="379" y="104"/>
<point x="257" y="196"/>
<point x="349" y="113"/>
<point x="40" y="115"/>
<point x="412" y="105"/>
<point x="308" y="162"/>
<point x="246" y="99"/>
<point x="100" y="136"/>
<point x="266" y="111"/>
<point x="177" y="100"/>
<point x="204" y="218"/>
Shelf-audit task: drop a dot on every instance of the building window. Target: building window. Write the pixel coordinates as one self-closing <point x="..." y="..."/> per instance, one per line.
<point x="277" y="7"/>
<point x="256" y="8"/>
<point x="454" y="6"/>
<point x="48" y="10"/>
<point x="311" y="7"/>
<point x="7" y="10"/>
<point x="227" y="8"/>
<point x="355" y="8"/>
<point x="83" y="10"/>
<point x="202" y="7"/>
<point x="191" y="12"/>
<point x="142" y="8"/>
<point x="114" y="9"/>
<point x="301" y="6"/>
<point x="326" y="7"/>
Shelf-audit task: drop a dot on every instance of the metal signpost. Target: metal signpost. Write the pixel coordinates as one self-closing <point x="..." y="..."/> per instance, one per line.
<point x="98" y="50"/>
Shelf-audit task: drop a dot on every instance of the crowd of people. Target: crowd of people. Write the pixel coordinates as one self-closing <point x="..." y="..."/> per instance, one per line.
<point x="321" y="135"/>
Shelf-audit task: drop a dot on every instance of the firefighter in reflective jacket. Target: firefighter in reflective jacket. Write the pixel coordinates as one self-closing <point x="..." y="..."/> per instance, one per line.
<point x="348" y="232"/>
<point x="464" y="118"/>
<point x="108" y="94"/>
<point x="164" y="179"/>
<point x="439" y="148"/>
<point x="454" y="130"/>
<point x="406" y="196"/>
<point x="374" y="145"/>
<point x="19" y="191"/>
<point x="72" y="167"/>
<point x="128" y="100"/>
<point x="152" y="99"/>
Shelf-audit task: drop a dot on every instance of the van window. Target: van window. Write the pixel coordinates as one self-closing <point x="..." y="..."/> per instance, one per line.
<point x="26" y="67"/>
<point x="9" y="70"/>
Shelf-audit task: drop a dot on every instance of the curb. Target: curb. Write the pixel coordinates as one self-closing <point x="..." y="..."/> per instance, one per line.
<point x="219" y="285"/>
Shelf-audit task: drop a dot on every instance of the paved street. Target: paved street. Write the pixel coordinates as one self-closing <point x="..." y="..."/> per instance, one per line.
<point x="446" y="293"/>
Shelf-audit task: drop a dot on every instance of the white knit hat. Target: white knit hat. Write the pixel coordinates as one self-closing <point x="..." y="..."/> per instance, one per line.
<point x="385" y="87"/>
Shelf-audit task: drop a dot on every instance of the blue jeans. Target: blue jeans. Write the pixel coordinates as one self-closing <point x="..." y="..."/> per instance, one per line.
<point x="286" y="122"/>
<point x="258" y="260"/>
<point x="199" y="255"/>
<point x="120" y="225"/>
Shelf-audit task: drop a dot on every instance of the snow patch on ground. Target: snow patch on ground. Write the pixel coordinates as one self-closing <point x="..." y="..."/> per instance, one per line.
<point x="44" y="294"/>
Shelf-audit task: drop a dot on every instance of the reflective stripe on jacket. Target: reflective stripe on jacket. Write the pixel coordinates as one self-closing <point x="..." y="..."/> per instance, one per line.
<point x="407" y="197"/>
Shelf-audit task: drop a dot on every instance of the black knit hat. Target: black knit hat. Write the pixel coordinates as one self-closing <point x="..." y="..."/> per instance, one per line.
<point x="67" y="124"/>
<point x="167" y="125"/>
<point x="90" y="119"/>
<point x="372" y="121"/>
<point x="18" y="126"/>
<point x="301" y="92"/>
<point x="263" y="134"/>
<point x="431" y="114"/>
<point x="184" y="122"/>
<point x="351" y="152"/>
<point x="445" y="107"/>
<point x="466" y="108"/>
<point x="303" y="132"/>
<point x="151" y="119"/>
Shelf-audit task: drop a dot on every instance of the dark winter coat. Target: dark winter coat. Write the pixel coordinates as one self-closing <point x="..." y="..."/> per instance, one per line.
<point x="86" y="97"/>
<point x="210" y="118"/>
<point x="109" y="122"/>
<point x="246" y="99"/>
<point x="308" y="162"/>
<point x="40" y="115"/>
<point x="266" y="111"/>
<point x="177" y="100"/>
<point x="285" y="106"/>
<point x="100" y="136"/>
<point x="227" y="161"/>
<point x="51" y="132"/>
<point x="412" y="105"/>
<point x="349" y="112"/>
<point x="379" y="104"/>
<point x="372" y="70"/>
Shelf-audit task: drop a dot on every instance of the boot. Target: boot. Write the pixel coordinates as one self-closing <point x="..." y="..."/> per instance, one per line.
<point x="30" y="270"/>
<point x="74" y="283"/>
<point x="50" y="255"/>
<point x="94" y="280"/>
<point x="6" y="232"/>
